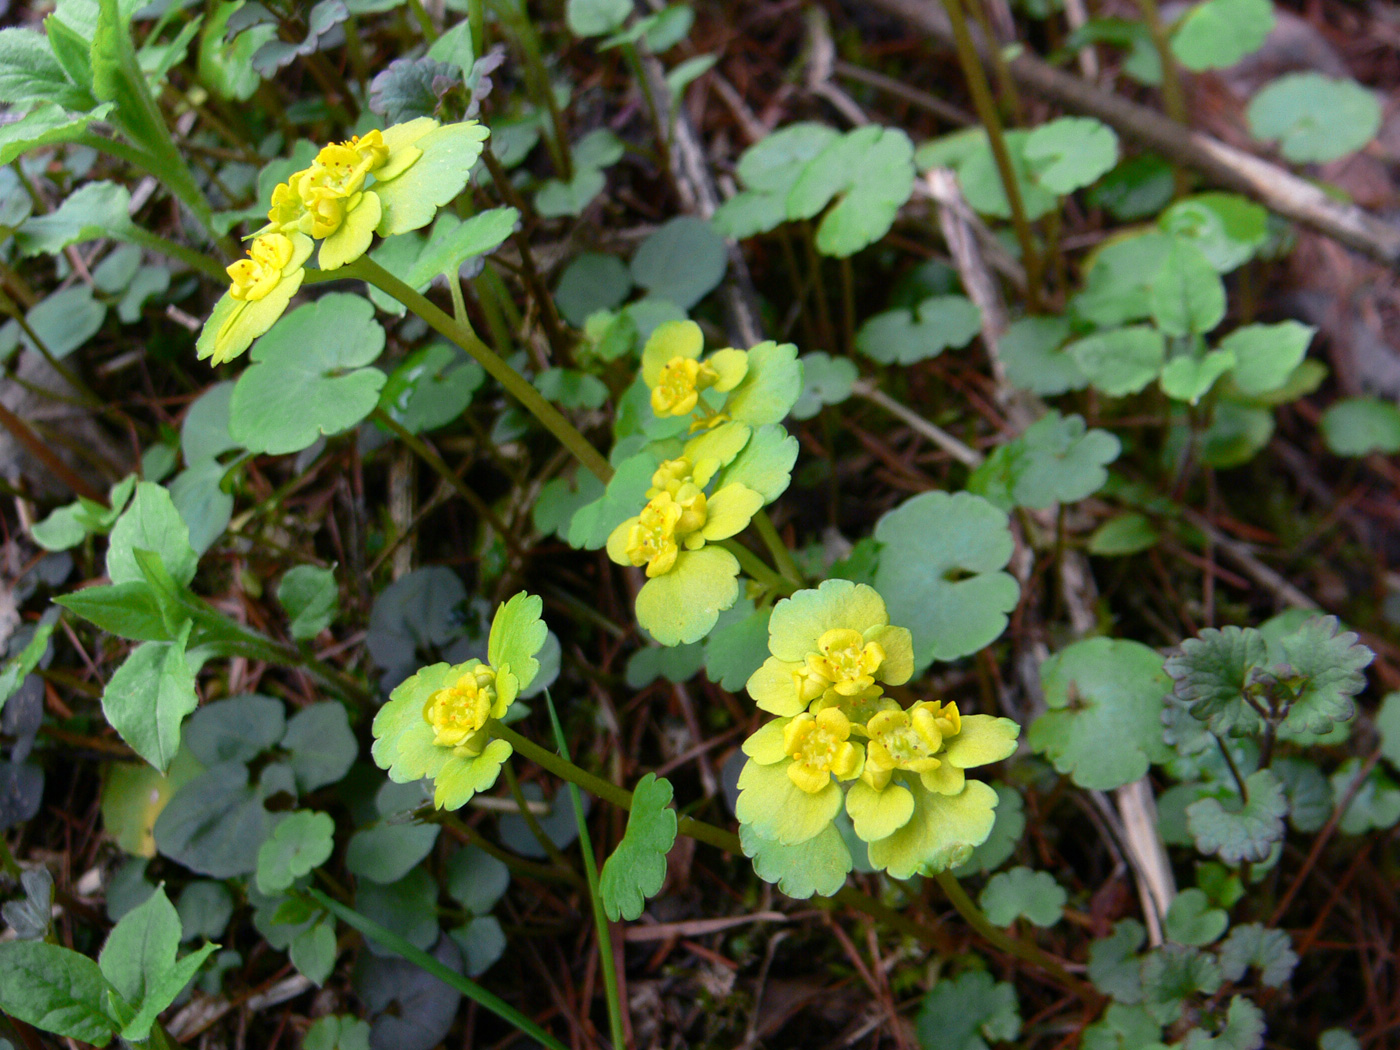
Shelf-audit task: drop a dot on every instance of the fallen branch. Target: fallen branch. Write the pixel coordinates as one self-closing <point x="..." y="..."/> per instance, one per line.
<point x="1276" y="188"/>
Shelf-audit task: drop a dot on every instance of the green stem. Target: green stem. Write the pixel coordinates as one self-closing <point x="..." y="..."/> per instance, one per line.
<point x="517" y="385"/>
<point x="426" y="963"/>
<point x="981" y="92"/>
<point x="782" y="557"/>
<point x="532" y="822"/>
<point x="191" y="258"/>
<point x="590" y="870"/>
<point x="425" y="23"/>
<point x="1026" y="952"/>
<point x="752" y="564"/>
<point x="8" y="864"/>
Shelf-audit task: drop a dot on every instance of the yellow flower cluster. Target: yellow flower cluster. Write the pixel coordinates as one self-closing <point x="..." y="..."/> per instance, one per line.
<point x="458" y="712"/>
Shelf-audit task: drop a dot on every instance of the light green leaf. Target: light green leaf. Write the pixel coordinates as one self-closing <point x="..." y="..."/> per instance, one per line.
<point x="1227" y="228"/>
<point x="765" y="464"/>
<point x="557" y="198"/>
<point x="1218" y="33"/>
<point x="770" y="387"/>
<point x="1054" y="461"/>
<point x="1244" y="830"/>
<point x="1104" y="724"/>
<point x="151" y="523"/>
<point x="1070" y="153"/>
<point x="446" y="251"/>
<point x="769" y="169"/>
<point x="410" y="200"/>
<point x="818" y="866"/>
<point x="686" y="73"/>
<point x="1267" y="354"/>
<point x="905" y="336"/>
<point x="1315" y="118"/>
<point x="312" y="952"/>
<point x="98" y="209"/>
<point x="55" y="989"/>
<point x="310" y="596"/>
<point x="1021" y="892"/>
<point x="17" y="668"/>
<point x="1034" y="361"/>
<point x="981" y="180"/>
<point x="968" y="1012"/>
<point x="871" y="169"/>
<point x="307" y="376"/>
<point x="637" y="868"/>
<point x="1191" y="919"/>
<point x="1122" y="535"/>
<point x="149" y="696"/>
<point x="1329" y="664"/>
<point x="29" y="73"/>
<point x="1358" y="426"/>
<point x="826" y="380"/>
<point x="517" y="636"/>
<point x="301" y="842"/>
<point x="940" y="572"/>
<point x="1114" y="965"/>
<point x="1121" y="361"/>
<point x="596" y="17"/>
<point x="45" y="126"/>
<point x="682" y="261"/>
<point x="1187" y="296"/>
<point x="1116" y="289"/>
<point x="682" y="605"/>
<point x="65" y="321"/>
<point x="1188" y="378"/>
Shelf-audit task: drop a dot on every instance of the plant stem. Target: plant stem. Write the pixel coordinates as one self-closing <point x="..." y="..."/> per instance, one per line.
<point x="1022" y="950"/>
<point x="782" y="557"/>
<point x="1172" y="97"/>
<point x="517" y="385"/>
<point x="8" y="864"/>
<point x="426" y="963"/>
<point x="977" y="85"/>
<point x="590" y="870"/>
<point x="191" y="258"/>
<point x="752" y="564"/>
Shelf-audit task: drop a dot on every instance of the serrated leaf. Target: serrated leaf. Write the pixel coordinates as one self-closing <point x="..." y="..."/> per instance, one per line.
<point x="871" y="170"/>
<point x="1191" y="919"/>
<point x="1269" y="951"/>
<point x="308" y="376"/>
<point x="1056" y="460"/>
<point x="410" y="200"/>
<point x="940" y="573"/>
<point x="301" y="842"/>
<point x="1243" y="1029"/>
<point x="1331" y="664"/>
<point x="517" y="635"/>
<point x="637" y="868"/>
<point x="1023" y="893"/>
<point x="818" y="866"/>
<point x="1115" y="968"/>
<point x="1210" y="674"/>
<point x="1173" y="974"/>
<point x="1124" y="1028"/>
<point x="1314" y="117"/>
<point x="409" y="88"/>
<point x="968" y="1012"/>
<point x="1245" y="830"/>
<point x="1104" y="724"/>
<point x="1375" y="805"/>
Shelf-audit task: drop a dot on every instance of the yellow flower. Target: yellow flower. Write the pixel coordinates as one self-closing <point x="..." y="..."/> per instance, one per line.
<point x="652" y="539"/>
<point x="672" y="369"/>
<point x="254" y="277"/>
<point x="458" y="712"/>
<point x="677" y="390"/>
<point x="844" y="661"/>
<point x="820" y="750"/>
<point x="261" y="287"/>
<point x="907" y="740"/>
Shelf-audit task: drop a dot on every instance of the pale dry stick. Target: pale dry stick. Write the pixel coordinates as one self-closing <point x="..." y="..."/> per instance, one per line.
<point x="663" y="931"/>
<point x="1276" y="188"/>
<point x="1135" y="822"/>
<point x="821" y="62"/>
<point x="1076" y="14"/>
<point x="401" y="499"/>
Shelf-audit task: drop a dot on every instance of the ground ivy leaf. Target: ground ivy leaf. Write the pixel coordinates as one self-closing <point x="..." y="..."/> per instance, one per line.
<point x="1104" y="724"/>
<point x="1314" y="117"/>
<point x="301" y="841"/>
<point x="871" y="169"/>
<point x="55" y="989"/>
<point x="905" y="336"/>
<point x="1124" y="1028"/>
<point x="1173" y="974"/>
<point x="1243" y="1030"/>
<point x="940" y="572"/>
<point x="1269" y="951"/>
<point x="1191" y="920"/>
<point x="1245" y="831"/>
<point x="1115" y="968"/>
<point x="1070" y="153"/>
<point x="308" y="376"/>
<point x="1021" y="892"/>
<point x="1210" y="674"/>
<point x="968" y="1012"/>
<point x="637" y="868"/>
<point x="1376" y="803"/>
<point x="1054" y="461"/>
<point x="818" y="866"/>
<point x="1331" y="664"/>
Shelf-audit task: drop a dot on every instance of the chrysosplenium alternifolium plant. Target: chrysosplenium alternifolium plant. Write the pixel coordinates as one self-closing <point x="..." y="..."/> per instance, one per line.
<point x="839" y="738"/>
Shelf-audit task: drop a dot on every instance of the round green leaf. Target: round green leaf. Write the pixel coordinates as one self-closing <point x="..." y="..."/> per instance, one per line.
<point x="1070" y="153"/>
<point x="1218" y="33"/>
<point x="1357" y="426"/>
<point x="905" y="336"/>
<point x="1315" y="118"/>
<point x="1021" y="892"/>
<point x="682" y="261"/>
<point x="301" y="841"/>
<point x="307" y="376"/>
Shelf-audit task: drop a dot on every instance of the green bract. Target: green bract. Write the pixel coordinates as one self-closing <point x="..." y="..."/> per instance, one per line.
<point x="435" y="723"/>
